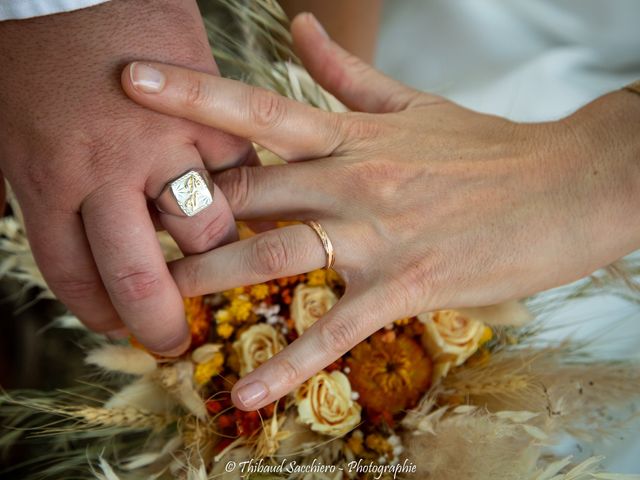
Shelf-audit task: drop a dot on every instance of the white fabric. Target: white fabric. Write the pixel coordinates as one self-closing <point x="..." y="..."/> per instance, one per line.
<point x="528" y="60"/>
<point x="19" y="9"/>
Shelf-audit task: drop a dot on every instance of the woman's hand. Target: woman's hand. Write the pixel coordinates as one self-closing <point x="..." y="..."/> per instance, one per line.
<point x="428" y="205"/>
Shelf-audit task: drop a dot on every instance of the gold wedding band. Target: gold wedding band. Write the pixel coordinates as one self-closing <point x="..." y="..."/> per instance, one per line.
<point x="326" y="242"/>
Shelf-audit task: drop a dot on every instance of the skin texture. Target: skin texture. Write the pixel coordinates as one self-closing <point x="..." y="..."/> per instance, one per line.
<point x="429" y="205"/>
<point x="84" y="160"/>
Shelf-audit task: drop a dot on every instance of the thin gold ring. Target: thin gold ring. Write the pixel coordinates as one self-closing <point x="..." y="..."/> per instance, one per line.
<point x="326" y="242"/>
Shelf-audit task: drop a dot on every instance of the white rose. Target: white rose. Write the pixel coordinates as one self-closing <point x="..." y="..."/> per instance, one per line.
<point x="309" y="304"/>
<point x="256" y="345"/>
<point x="451" y="338"/>
<point x="325" y="404"/>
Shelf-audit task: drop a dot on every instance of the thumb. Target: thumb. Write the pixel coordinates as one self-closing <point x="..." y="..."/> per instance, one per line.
<point x="355" y="83"/>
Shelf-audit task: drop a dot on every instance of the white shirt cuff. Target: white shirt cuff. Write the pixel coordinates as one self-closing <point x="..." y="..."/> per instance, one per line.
<point x="17" y="9"/>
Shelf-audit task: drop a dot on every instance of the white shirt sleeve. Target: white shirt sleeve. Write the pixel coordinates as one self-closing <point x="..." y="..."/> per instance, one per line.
<point x="17" y="9"/>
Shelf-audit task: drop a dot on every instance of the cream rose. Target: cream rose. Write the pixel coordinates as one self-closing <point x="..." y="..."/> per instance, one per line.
<point x="309" y="304"/>
<point x="325" y="404"/>
<point x="256" y="345"/>
<point x="451" y="338"/>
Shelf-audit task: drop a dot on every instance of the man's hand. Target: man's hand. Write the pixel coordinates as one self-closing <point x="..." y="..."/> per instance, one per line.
<point x="84" y="160"/>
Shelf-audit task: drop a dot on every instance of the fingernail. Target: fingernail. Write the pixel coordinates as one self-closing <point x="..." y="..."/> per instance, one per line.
<point x="145" y="78"/>
<point x="177" y="351"/>
<point x="317" y="25"/>
<point x="118" y="333"/>
<point x="251" y="393"/>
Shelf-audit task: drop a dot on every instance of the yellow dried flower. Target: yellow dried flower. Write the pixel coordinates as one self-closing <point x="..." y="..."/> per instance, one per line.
<point x="286" y="223"/>
<point x="234" y="292"/>
<point x="224" y="330"/>
<point x="240" y="308"/>
<point x="316" y="278"/>
<point x="355" y="443"/>
<point x="244" y="231"/>
<point x="333" y="278"/>
<point x="403" y="321"/>
<point x="259" y="291"/>
<point x="223" y="316"/>
<point x="487" y="335"/>
<point x="205" y="371"/>
<point x="378" y="443"/>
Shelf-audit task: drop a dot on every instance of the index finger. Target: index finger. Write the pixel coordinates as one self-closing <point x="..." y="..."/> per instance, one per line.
<point x="288" y="128"/>
<point x="350" y="321"/>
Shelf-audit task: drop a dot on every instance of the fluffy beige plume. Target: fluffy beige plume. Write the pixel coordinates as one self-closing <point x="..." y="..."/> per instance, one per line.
<point x="589" y="469"/>
<point x="473" y="445"/>
<point x="123" y="359"/>
<point x="238" y="454"/>
<point x="512" y="313"/>
<point x="177" y="379"/>
<point x="270" y="436"/>
<point x="568" y="395"/>
<point x="152" y="457"/>
<point x="592" y="401"/>
<point x="144" y="394"/>
<point x="299" y="439"/>
<point x="509" y="381"/>
<point x="106" y="473"/>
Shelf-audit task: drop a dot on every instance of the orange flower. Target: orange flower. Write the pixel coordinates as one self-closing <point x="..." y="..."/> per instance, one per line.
<point x="389" y="376"/>
<point x="198" y="319"/>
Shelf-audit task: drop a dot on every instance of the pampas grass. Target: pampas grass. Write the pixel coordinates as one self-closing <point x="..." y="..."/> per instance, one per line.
<point x="547" y="382"/>
<point x="472" y="445"/>
<point x="122" y="359"/>
<point x="144" y="394"/>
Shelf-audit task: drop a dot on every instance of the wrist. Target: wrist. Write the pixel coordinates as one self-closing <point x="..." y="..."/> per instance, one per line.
<point x="604" y="144"/>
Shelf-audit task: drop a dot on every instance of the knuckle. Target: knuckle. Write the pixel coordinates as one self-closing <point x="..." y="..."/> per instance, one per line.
<point x="269" y="255"/>
<point x="188" y="275"/>
<point x="361" y="126"/>
<point x="266" y="108"/>
<point x="354" y="69"/>
<point x="134" y="285"/>
<point x="236" y="185"/>
<point x="288" y="371"/>
<point x="74" y="289"/>
<point x="381" y="180"/>
<point x="211" y="234"/>
<point x="416" y="286"/>
<point x="196" y="93"/>
<point x="336" y="133"/>
<point x="376" y="171"/>
<point x="338" y="335"/>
